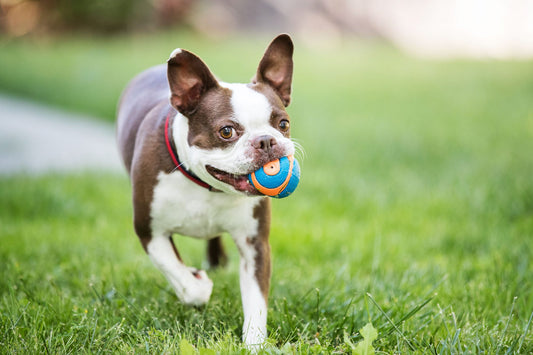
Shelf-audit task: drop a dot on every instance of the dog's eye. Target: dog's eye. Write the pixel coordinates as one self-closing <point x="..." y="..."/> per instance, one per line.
<point x="227" y="132"/>
<point x="284" y="125"/>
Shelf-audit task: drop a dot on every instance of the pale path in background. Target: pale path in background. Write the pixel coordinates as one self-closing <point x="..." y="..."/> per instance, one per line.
<point x="38" y="139"/>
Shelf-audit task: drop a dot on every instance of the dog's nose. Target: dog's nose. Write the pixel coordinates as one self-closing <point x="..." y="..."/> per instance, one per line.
<point x="264" y="143"/>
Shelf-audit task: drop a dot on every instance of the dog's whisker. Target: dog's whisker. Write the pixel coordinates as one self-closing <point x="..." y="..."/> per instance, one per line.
<point x="299" y="151"/>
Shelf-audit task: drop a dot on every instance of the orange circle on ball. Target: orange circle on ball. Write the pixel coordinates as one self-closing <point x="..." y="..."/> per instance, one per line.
<point x="272" y="168"/>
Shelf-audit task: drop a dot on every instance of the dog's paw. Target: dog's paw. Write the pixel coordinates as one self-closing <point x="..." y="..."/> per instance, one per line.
<point x="198" y="291"/>
<point x="254" y="339"/>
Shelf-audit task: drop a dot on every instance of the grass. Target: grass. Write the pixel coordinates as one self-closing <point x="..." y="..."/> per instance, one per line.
<point x="415" y="211"/>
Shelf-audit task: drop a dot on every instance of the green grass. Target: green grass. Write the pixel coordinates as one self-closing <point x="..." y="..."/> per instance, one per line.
<point x="415" y="211"/>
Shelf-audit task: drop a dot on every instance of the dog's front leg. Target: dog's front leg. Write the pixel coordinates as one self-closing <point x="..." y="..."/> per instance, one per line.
<point x="255" y="278"/>
<point x="192" y="286"/>
<point x="254" y="282"/>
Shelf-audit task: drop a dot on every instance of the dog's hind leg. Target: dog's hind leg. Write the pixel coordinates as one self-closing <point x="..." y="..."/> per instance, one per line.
<point x="216" y="255"/>
<point x="192" y="286"/>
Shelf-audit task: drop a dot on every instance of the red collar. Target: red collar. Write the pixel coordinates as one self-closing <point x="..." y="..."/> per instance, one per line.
<point x="174" y="155"/>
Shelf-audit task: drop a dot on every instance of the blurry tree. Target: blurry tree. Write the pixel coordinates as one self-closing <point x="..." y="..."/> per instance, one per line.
<point x="18" y="17"/>
<point x="99" y="15"/>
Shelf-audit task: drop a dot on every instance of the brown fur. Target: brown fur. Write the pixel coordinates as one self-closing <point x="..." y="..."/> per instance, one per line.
<point x="142" y="112"/>
<point x="262" y="246"/>
<point x="216" y="255"/>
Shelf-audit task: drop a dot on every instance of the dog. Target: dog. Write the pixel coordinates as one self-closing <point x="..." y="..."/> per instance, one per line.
<point x="188" y="142"/>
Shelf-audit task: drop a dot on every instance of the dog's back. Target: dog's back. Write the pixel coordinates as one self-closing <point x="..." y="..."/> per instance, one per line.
<point x="147" y="88"/>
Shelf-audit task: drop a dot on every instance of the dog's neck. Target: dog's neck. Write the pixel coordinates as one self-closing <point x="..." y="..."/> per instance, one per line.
<point x="179" y="130"/>
<point x="171" y="147"/>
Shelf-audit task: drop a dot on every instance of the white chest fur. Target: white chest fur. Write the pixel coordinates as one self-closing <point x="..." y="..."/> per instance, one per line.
<point x="180" y="206"/>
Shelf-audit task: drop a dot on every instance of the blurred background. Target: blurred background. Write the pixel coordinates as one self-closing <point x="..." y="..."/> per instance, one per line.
<point x="79" y="55"/>
<point x="490" y="28"/>
<point x="416" y="119"/>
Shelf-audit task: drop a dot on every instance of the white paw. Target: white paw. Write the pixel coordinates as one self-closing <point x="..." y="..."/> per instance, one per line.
<point x="197" y="290"/>
<point x="254" y="338"/>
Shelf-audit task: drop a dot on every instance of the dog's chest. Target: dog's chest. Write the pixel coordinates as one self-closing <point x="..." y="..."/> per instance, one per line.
<point x="179" y="206"/>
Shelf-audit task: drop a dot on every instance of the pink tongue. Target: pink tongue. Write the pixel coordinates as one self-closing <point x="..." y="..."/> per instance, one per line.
<point x="242" y="184"/>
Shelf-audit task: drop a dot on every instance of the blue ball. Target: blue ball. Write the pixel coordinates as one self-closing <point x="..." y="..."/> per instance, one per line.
<point x="278" y="178"/>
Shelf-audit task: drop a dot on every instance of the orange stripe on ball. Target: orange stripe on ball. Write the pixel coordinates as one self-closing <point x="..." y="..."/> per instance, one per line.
<point x="265" y="190"/>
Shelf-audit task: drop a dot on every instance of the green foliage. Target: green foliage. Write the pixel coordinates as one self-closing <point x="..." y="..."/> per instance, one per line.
<point x="100" y="15"/>
<point x="364" y="347"/>
<point x="186" y="348"/>
<point x="88" y="74"/>
<point x="414" y="212"/>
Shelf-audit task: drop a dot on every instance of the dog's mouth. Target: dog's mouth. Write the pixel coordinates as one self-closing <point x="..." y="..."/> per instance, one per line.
<point x="239" y="182"/>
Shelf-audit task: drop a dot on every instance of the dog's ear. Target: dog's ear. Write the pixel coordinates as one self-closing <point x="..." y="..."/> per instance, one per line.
<point x="275" y="69"/>
<point x="189" y="79"/>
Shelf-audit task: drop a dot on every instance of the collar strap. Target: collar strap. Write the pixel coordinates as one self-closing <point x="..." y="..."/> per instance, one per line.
<point x="174" y="155"/>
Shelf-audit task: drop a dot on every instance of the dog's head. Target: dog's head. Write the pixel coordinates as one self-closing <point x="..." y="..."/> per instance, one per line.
<point x="233" y="129"/>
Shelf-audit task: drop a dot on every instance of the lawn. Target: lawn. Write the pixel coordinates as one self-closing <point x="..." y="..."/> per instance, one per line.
<point x="415" y="210"/>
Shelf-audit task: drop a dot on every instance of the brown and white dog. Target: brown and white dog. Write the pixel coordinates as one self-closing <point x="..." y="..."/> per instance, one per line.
<point x="188" y="142"/>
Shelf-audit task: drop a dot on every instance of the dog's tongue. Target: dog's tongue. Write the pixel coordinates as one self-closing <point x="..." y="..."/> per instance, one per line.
<point x="241" y="183"/>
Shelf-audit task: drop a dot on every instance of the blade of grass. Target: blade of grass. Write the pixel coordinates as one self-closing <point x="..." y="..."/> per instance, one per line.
<point x="390" y="321"/>
<point x="506" y="325"/>
<point x="525" y="333"/>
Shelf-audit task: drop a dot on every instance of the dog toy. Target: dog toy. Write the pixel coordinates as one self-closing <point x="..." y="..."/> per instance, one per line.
<point x="278" y="179"/>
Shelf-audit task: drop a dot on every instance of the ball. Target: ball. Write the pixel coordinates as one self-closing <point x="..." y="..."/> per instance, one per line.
<point x="278" y="179"/>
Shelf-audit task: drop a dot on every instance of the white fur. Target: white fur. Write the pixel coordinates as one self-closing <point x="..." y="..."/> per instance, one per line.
<point x="181" y="206"/>
<point x="254" y="330"/>
<point x="189" y="289"/>
<point x="253" y="303"/>
<point x="251" y="108"/>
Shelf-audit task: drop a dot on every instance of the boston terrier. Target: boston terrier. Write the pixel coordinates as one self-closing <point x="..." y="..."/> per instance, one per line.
<point x="188" y="142"/>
